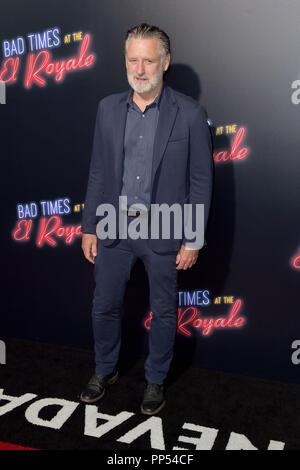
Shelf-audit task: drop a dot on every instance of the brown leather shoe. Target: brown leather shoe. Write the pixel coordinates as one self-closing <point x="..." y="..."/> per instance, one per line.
<point x="97" y="386"/>
<point x="154" y="399"/>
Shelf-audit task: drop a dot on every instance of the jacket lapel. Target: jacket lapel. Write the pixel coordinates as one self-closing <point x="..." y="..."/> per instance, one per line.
<point x="118" y="125"/>
<point x="167" y="114"/>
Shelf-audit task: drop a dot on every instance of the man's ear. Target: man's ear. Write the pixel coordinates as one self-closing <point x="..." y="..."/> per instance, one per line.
<point x="167" y="62"/>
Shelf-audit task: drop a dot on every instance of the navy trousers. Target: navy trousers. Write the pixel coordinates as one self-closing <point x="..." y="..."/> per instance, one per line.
<point x="112" y="270"/>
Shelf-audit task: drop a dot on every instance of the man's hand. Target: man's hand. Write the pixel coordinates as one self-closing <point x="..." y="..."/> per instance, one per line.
<point x="89" y="246"/>
<point x="186" y="257"/>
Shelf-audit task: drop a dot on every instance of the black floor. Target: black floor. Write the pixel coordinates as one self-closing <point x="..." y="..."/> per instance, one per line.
<point x="205" y="409"/>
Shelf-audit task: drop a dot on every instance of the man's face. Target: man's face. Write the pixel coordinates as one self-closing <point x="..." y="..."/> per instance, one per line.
<point x="144" y="64"/>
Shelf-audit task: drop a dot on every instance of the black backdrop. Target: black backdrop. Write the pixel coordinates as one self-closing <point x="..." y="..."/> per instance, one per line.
<point x="241" y="59"/>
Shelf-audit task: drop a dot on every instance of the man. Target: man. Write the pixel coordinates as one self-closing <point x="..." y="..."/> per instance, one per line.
<point x="153" y="145"/>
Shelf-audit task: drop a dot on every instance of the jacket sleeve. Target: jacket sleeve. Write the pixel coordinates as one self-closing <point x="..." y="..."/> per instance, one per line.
<point x="200" y="175"/>
<point x="95" y="180"/>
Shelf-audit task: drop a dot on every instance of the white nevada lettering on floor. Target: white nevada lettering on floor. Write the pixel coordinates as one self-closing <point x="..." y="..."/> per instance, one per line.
<point x="202" y="439"/>
<point x="2" y="352"/>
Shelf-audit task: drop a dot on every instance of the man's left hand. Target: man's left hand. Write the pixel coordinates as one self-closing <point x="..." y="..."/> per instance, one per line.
<point x="186" y="257"/>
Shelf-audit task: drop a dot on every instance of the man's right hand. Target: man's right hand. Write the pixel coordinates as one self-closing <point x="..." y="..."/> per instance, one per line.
<point x="89" y="246"/>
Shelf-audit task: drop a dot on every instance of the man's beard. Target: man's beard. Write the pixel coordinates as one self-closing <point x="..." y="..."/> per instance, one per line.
<point x="149" y="85"/>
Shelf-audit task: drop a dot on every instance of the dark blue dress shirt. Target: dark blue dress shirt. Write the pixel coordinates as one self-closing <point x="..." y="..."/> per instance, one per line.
<point x="139" y="138"/>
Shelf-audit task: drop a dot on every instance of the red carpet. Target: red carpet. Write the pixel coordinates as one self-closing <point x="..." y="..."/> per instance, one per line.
<point x="205" y="410"/>
<point x="7" y="446"/>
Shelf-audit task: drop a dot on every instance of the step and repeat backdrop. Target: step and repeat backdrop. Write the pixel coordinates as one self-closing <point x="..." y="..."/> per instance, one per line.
<point x="239" y="306"/>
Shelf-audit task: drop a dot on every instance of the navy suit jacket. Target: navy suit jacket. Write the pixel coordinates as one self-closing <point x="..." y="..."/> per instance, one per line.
<point x="182" y="168"/>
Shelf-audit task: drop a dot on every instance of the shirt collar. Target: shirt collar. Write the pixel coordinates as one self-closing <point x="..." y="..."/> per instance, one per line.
<point x="157" y="99"/>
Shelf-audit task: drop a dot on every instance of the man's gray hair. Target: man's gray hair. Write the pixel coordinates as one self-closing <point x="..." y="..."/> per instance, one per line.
<point x="145" y="30"/>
